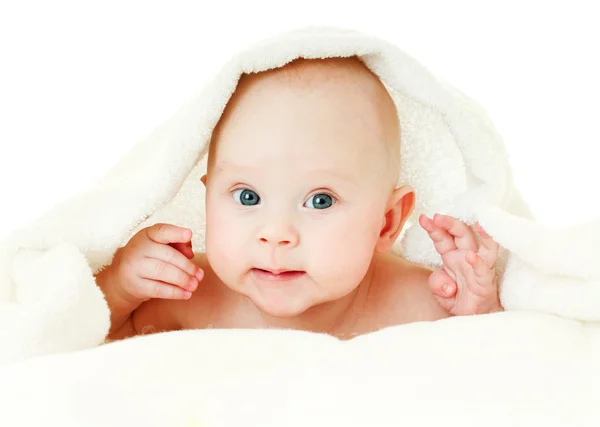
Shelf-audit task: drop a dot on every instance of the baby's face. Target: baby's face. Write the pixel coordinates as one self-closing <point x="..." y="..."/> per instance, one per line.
<point x="296" y="192"/>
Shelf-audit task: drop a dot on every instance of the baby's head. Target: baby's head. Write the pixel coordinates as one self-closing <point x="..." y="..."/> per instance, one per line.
<point x="301" y="184"/>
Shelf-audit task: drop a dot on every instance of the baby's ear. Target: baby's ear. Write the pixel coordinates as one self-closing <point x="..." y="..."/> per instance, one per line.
<point x="399" y="207"/>
<point x="203" y="179"/>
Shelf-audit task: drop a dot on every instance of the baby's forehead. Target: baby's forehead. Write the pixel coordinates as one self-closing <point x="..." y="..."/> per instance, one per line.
<point x="347" y="78"/>
<point x="300" y="173"/>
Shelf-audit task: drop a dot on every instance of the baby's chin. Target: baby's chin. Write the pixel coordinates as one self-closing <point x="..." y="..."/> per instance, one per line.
<point x="287" y="297"/>
<point x="281" y="311"/>
<point x="284" y="299"/>
<point x="302" y="307"/>
<point x="281" y="304"/>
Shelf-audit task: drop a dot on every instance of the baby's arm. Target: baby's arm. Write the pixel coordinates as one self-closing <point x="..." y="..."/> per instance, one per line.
<point x="466" y="284"/>
<point x="120" y="308"/>
<point x="155" y="263"/>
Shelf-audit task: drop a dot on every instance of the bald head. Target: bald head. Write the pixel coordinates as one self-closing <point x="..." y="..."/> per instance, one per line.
<point x="342" y="75"/>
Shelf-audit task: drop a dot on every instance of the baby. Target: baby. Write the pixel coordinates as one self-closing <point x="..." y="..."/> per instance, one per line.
<point x="302" y="209"/>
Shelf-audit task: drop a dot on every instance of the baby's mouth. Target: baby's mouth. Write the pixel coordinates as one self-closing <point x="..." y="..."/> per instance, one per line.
<point x="277" y="275"/>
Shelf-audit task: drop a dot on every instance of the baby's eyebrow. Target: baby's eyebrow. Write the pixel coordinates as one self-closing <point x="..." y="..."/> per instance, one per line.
<point x="223" y="165"/>
<point x="333" y="174"/>
<point x="314" y="173"/>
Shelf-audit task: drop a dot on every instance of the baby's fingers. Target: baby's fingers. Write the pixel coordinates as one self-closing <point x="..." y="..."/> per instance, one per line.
<point x="155" y="289"/>
<point x="441" y="284"/>
<point x="444" y="289"/>
<point x="168" y="233"/>
<point x="483" y="272"/>
<point x="171" y="255"/>
<point x="184" y="248"/>
<point x="464" y="238"/>
<point x="488" y="250"/>
<point x="161" y="271"/>
<point x="441" y="239"/>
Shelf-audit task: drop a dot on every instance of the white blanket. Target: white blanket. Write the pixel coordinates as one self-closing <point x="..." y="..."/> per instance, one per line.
<point x="451" y="155"/>
<point x="507" y="369"/>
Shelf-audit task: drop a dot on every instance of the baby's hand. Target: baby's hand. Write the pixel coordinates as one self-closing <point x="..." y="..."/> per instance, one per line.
<point x="466" y="284"/>
<point x="155" y="263"/>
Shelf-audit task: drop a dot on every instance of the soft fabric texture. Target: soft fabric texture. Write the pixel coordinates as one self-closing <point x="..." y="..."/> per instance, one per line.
<point x="506" y="369"/>
<point x="451" y="155"/>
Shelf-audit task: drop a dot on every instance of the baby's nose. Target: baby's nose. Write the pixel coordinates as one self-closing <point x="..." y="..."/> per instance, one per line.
<point x="279" y="235"/>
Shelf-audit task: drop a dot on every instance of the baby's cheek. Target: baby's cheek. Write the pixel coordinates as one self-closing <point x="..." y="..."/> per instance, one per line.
<point x="221" y="242"/>
<point x="347" y="251"/>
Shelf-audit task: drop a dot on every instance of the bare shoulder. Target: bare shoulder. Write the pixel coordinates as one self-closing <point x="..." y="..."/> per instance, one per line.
<point x="402" y="292"/>
<point x="155" y="315"/>
<point x="161" y="315"/>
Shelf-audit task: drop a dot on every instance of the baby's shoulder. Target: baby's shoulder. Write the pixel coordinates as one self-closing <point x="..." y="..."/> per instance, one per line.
<point x="393" y="272"/>
<point x="402" y="291"/>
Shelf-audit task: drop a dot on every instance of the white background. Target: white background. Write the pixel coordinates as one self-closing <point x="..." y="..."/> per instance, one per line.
<point x="80" y="83"/>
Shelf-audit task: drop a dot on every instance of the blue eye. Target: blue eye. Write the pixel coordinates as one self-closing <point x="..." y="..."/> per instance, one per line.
<point x="246" y="197"/>
<point x="320" y="201"/>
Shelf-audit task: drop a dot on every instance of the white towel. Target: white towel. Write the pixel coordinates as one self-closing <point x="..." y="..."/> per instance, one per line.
<point x="501" y="370"/>
<point x="451" y="155"/>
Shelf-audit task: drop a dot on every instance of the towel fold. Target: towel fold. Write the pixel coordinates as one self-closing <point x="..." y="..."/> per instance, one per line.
<point x="451" y="155"/>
